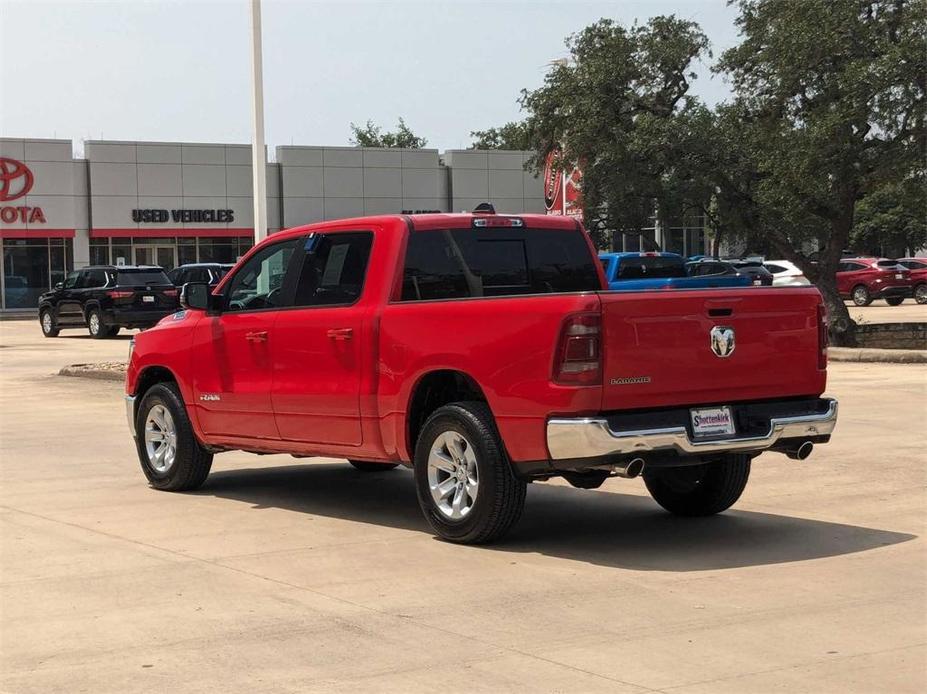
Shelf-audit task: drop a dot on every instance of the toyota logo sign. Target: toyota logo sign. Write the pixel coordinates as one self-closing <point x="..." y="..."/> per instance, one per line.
<point x="15" y="179"/>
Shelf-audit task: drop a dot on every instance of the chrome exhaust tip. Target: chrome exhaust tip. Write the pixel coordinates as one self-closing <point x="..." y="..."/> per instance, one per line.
<point x="802" y="452"/>
<point x="629" y="469"/>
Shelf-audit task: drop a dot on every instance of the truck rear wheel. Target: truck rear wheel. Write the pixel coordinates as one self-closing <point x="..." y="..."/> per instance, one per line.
<point x="699" y="490"/>
<point x="171" y="457"/>
<point x="463" y="478"/>
<point x="364" y="466"/>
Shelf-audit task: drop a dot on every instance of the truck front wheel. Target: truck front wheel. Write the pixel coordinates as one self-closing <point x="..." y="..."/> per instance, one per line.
<point x="463" y="478"/>
<point x="171" y="457"/>
<point x="699" y="490"/>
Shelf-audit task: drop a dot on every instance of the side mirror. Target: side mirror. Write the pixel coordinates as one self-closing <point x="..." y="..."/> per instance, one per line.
<point x="197" y="295"/>
<point x="59" y="285"/>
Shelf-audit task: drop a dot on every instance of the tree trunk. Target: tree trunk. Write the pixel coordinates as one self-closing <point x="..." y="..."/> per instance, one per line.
<point x="841" y="327"/>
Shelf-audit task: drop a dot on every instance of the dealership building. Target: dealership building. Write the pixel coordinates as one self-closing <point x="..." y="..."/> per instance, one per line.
<point x="170" y="203"/>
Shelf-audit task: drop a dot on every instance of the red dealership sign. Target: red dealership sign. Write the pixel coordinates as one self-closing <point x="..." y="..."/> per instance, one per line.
<point x="16" y="181"/>
<point x="562" y="192"/>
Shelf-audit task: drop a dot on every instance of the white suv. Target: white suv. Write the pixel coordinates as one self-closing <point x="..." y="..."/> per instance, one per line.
<point x="785" y="274"/>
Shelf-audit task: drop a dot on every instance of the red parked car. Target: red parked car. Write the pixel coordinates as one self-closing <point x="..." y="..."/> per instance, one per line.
<point x="918" y="269"/>
<point x="866" y="279"/>
<point x="485" y="352"/>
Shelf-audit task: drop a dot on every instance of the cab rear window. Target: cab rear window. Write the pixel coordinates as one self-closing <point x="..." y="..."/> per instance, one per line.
<point x="650" y="267"/>
<point x="462" y="263"/>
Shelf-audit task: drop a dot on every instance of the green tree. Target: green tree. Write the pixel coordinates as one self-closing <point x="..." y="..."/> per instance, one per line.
<point x="620" y="109"/>
<point x="514" y="135"/>
<point x="831" y="98"/>
<point x="892" y="220"/>
<point x="372" y="135"/>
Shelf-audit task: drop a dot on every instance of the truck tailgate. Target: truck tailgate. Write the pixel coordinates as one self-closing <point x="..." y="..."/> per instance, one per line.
<point x="658" y="346"/>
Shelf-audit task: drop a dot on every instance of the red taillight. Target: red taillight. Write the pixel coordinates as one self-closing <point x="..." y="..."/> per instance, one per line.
<point x="170" y="292"/>
<point x="578" y="360"/>
<point x="120" y="294"/>
<point x="822" y="337"/>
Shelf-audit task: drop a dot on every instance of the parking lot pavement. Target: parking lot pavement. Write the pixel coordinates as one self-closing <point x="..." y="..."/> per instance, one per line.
<point x="287" y="576"/>
<point x="880" y="312"/>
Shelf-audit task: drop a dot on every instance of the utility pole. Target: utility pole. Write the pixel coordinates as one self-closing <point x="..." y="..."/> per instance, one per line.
<point x="258" y="163"/>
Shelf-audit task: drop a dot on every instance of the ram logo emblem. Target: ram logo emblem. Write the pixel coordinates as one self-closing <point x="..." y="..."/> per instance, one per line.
<point x="722" y="340"/>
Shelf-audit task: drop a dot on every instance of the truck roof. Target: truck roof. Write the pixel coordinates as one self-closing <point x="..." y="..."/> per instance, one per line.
<point x="439" y="220"/>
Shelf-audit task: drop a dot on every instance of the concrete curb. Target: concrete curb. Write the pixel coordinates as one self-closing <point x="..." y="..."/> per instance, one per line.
<point x="885" y="356"/>
<point x="87" y="371"/>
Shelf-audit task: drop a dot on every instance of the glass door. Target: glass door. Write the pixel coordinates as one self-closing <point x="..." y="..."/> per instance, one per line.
<point x="164" y="256"/>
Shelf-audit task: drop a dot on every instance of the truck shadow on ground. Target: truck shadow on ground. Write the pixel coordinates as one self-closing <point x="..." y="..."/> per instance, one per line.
<point x="604" y="528"/>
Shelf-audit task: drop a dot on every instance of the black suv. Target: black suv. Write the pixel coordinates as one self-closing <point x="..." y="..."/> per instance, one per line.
<point x="105" y="298"/>
<point x="210" y="273"/>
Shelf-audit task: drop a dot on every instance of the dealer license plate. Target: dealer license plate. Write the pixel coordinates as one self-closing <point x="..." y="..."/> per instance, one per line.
<point x="712" y="421"/>
<point x="148" y="299"/>
<point x="899" y="277"/>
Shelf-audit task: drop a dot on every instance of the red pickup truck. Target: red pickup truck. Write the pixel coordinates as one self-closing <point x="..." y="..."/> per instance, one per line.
<point x="484" y="352"/>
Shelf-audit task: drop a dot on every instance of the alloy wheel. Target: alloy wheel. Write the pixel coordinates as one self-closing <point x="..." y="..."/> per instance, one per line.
<point x="160" y="438"/>
<point x="47" y="322"/>
<point x="920" y="294"/>
<point x="94" y="323"/>
<point x="453" y="475"/>
<point x="860" y="296"/>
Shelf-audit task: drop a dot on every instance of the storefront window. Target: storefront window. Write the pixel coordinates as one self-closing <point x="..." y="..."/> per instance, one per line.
<point x="99" y="251"/>
<point x="31" y="267"/>
<point x="218" y="250"/>
<point x="186" y="251"/>
<point x="675" y="242"/>
<point x="121" y="251"/>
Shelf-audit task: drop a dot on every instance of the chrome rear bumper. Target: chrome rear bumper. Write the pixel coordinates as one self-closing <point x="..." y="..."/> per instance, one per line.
<point x="591" y="437"/>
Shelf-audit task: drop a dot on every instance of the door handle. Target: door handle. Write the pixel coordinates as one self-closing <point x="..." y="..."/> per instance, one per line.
<point x="257" y="337"/>
<point x="341" y="333"/>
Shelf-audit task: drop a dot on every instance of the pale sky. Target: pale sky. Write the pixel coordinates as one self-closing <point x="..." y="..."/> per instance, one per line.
<point x="180" y="71"/>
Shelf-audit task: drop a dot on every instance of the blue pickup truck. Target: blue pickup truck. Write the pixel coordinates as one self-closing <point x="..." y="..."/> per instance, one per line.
<point x="657" y="270"/>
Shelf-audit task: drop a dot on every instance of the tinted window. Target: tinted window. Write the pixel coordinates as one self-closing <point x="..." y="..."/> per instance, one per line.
<point x="849" y="267"/>
<point x="456" y="263"/>
<point x="650" y="267"/>
<point x="888" y="264"/>
<point x="71" y="280"/>
<point x="197" y="274"/>
<point x="333" y="269"/>
<point x="258" y="284"/>
<point x="134" y="278"/>
<point x="914" y="264"/>
<point x="176" y="276"/>
<point x="775" y="269"/>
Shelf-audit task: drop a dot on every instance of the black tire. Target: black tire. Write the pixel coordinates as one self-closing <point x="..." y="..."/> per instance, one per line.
<point x="48" y="323"/>
<point x="95" y="326"/>
<point x="191" y="461"/>
<point x="364" y="466"/>
<point x="894" y="300"/>
<point x="700" y="490"/>
<point x="499" y="498"/>
<point x="920" y="293"/>
<point x="113" y="330"/>
<point x="861" y="295"/>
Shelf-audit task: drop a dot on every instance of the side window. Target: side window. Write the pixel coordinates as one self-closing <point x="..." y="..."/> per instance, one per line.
<point x="333" y="269"/>
<point x="71" y="281"/>
<point x="97" y="278"/>
<point x="198" y="274"/>
<point x="175" y="276"/>
<point x="84" y="281"/>
<point x="433" y="269"/>
<point x="258" y="284"/>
